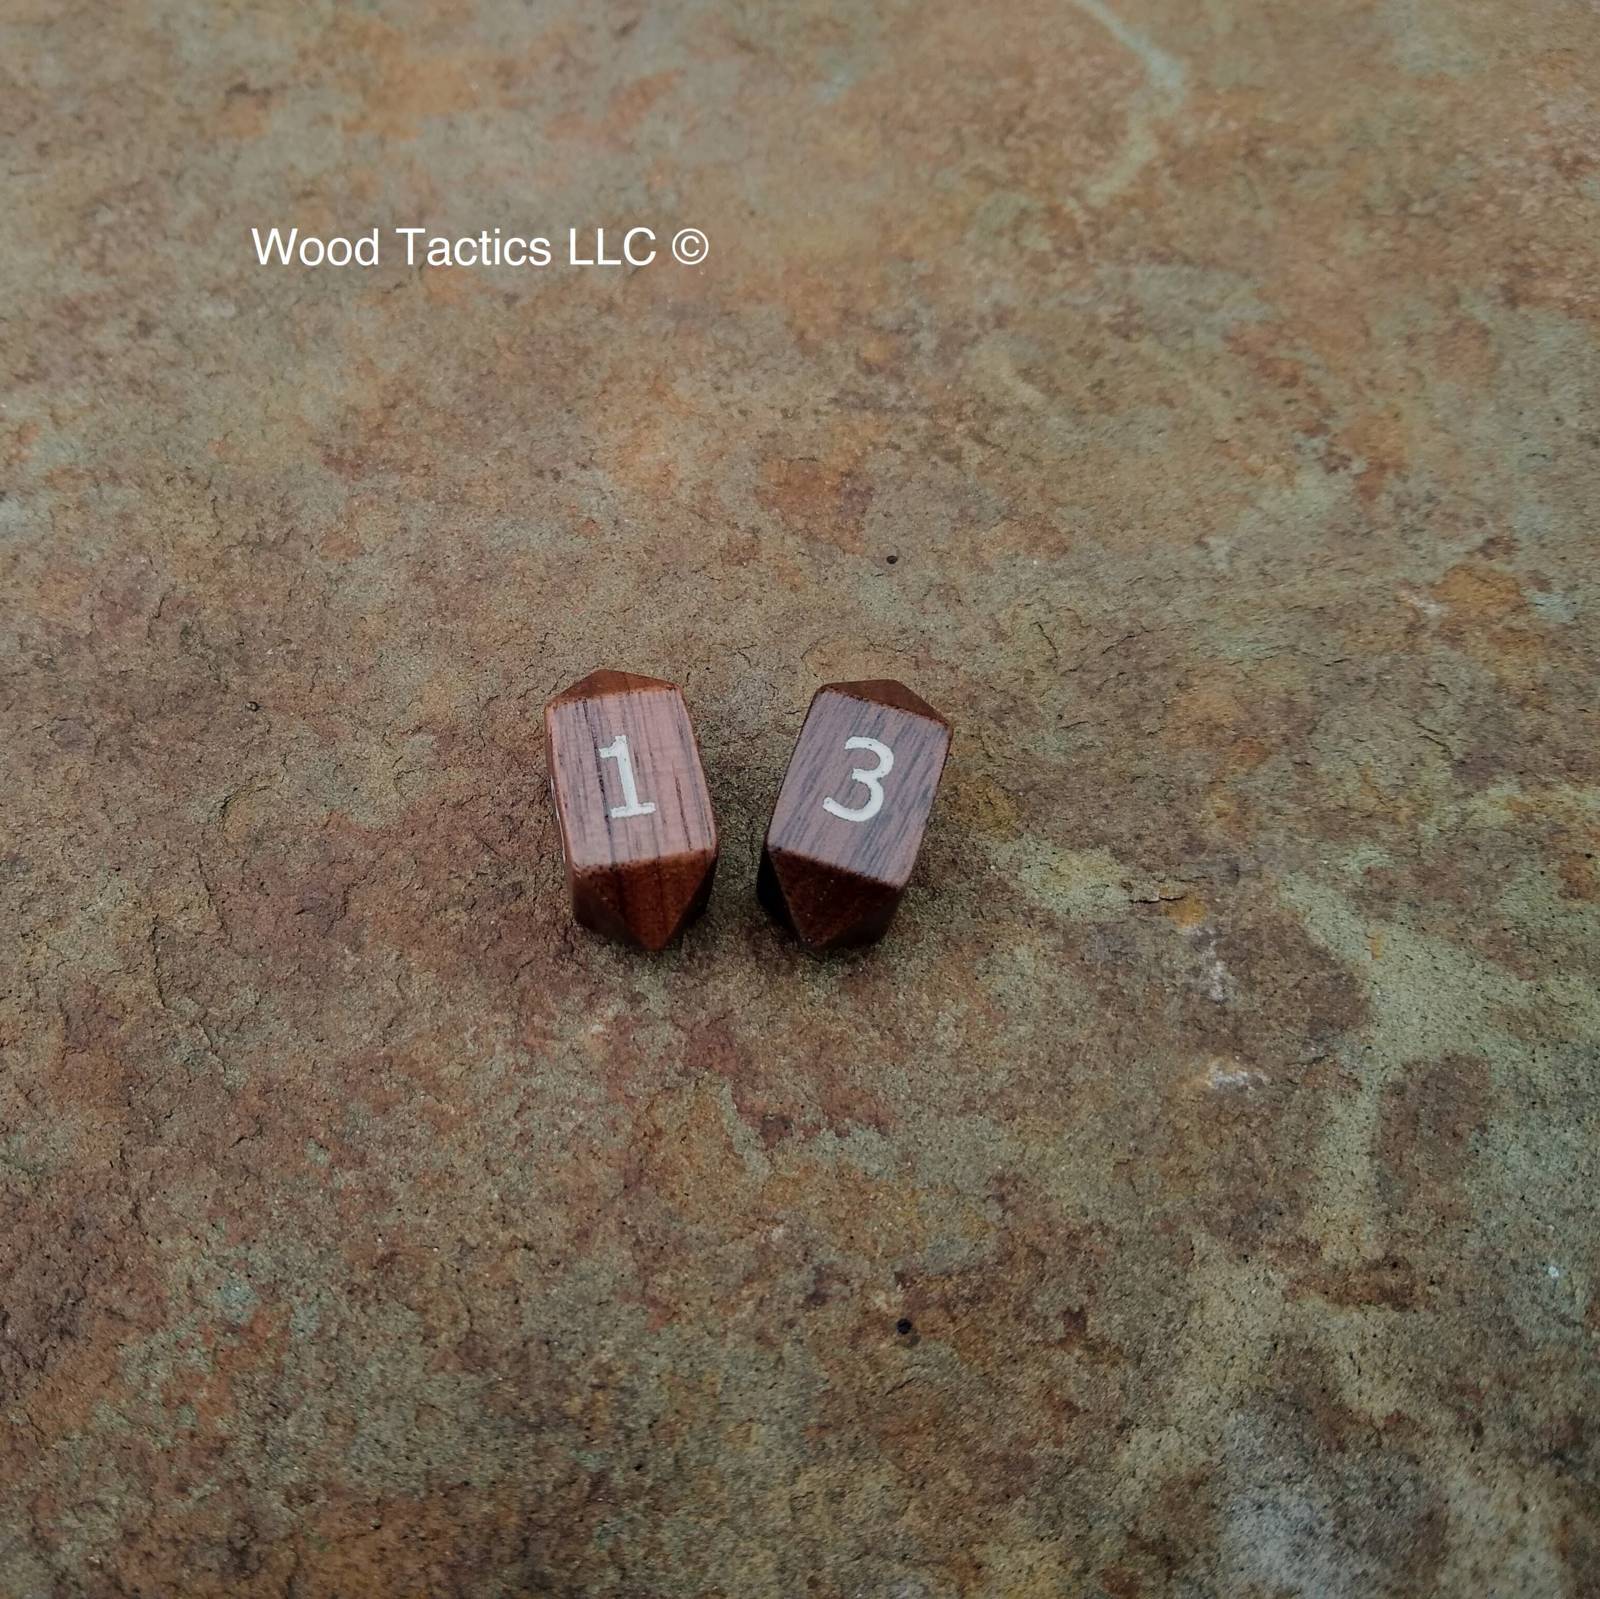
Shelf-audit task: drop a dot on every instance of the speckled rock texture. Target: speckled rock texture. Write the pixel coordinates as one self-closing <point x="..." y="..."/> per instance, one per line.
<point x="1198" y="401"/>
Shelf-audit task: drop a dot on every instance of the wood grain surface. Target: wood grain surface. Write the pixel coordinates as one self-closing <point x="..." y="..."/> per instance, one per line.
<point x="637" y="830"/>
<point x="850" y="816"/>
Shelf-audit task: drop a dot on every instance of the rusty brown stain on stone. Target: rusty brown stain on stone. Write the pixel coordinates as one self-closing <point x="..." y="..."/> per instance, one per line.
<point x="1432" y="1111"/>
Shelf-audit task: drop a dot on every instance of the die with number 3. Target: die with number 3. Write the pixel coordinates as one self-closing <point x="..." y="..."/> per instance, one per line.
<point x="850" y="816"/>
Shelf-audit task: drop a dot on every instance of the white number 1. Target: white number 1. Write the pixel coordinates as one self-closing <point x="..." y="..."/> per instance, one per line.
<point x="617" y="750"/>
<point x="868" y="780"/>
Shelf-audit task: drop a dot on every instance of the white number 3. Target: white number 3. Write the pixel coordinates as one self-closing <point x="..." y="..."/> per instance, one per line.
<point x="868" y="780"/>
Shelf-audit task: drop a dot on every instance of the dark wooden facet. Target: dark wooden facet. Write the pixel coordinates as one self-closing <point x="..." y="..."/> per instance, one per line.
<point x="840" y="848"/>
<point x="634" y="813"/>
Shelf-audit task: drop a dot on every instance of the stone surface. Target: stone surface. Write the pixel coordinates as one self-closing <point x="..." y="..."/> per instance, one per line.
<point x="1197" y="402"/>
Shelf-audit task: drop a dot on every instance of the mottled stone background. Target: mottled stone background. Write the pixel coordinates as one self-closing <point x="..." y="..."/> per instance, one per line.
<point x="1198" y="401"/>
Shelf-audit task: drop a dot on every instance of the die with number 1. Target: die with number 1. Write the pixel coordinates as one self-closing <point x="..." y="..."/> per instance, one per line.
<point x="637" y="833"/>
<point x="850" y="816"/>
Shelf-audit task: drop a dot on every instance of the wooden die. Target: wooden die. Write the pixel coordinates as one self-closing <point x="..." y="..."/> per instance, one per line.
<point x="850" y="816"/>
<point x="637" y="833"/>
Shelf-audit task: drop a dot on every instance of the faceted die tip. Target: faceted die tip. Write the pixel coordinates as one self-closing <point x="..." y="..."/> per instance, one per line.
<point x="645" y="907"/>
<point x="824" y="909"/>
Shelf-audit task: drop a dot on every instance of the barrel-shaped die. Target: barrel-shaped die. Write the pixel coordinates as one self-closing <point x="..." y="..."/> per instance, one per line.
<point x="850" y="816"/>
<point x="631" y="802"/>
